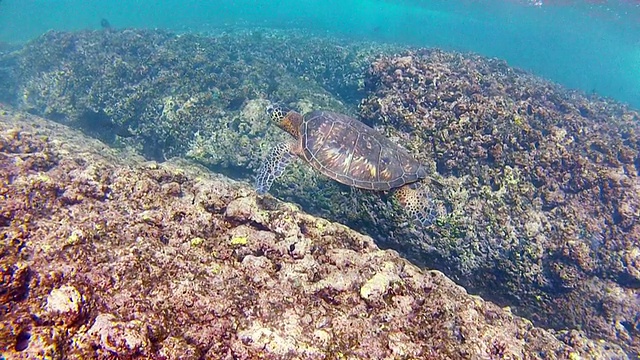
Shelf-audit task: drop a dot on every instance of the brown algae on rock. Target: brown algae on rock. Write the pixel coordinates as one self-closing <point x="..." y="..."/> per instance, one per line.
<point x="138" y="289"/>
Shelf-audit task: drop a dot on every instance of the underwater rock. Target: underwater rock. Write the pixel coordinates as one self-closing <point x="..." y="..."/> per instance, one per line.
<point x="215" y="272"/>
<point x="65" y="305"/>
<point x="8" y="64"/>
<point x="123" y="339"/>
<point x="542" y="185"/>
<point x="171" y="95"/>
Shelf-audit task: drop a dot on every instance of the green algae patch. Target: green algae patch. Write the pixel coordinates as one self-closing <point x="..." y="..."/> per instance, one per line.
<point x="76" y="237"/>
<point x="239" y="240"/>
<point x="321" y="225"/>
<point x="574" y="356"/>
<point x="196" y="241"/>
<point x="216" y="269"/>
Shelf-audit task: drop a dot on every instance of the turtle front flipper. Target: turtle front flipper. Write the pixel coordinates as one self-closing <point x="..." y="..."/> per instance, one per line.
<point x="273" y="166"/>
<point x="417" y="203"/>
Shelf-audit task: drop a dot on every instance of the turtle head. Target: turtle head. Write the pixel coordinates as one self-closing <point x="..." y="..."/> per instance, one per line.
<point x="287" y="119"/>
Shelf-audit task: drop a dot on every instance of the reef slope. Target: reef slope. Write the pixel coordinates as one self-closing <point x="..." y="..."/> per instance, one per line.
<point x="105" y="256"/>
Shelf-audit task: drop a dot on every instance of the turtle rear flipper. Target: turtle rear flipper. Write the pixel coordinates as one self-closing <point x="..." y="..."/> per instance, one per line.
<point x="417" y="203"/>
<point x="273" y="166"/>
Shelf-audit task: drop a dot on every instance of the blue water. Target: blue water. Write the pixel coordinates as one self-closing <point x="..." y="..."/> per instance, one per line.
<point x="593" y="45"/>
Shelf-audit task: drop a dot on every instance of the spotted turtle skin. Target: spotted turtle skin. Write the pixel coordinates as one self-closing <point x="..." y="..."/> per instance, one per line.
<point x="355" y="154"/>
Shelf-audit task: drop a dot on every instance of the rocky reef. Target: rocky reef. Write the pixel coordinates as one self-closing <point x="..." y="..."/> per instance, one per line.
<point x="197" y="97"/>
<point x="170" y="95"/>
<point x="538" y="185"/>
<point x="104" y="255"/>
<point x="7" y="67"/>
<point x="542" y="186"/>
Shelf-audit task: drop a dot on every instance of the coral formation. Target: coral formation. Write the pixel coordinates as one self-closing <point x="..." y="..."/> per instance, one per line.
<point x="170" y="95"/>
<point x="539" y="184"/>
<point x="107" y="256"/>
<point x="7" y="70"/>
<point x="542" y="182"/>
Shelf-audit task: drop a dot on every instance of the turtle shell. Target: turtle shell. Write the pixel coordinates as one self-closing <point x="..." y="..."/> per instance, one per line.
<point x="355" y="154"/>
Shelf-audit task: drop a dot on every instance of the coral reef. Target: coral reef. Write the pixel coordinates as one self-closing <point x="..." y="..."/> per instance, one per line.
<point x="170" y="95"/>
<point x="542" y="184"/>
<point x="197" y="97"/>
<point x="7" y="70"/>
<point x="107" y="256"/>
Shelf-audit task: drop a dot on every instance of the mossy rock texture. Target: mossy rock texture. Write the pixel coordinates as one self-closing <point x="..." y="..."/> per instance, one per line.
<point x="537" y="186"/>
<point x="169" y="95"/>
<point x="105" y="255"/>
<point x="542" y="186"/>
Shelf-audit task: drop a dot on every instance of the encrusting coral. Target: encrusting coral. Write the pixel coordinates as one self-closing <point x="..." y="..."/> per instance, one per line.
<point x="542" y="186"/>
<point x="107" y="256"/>
<point x="537" y="186"/>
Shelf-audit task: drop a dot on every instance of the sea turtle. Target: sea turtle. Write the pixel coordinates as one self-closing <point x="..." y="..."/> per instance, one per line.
<point x="350" y="152"/>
